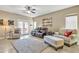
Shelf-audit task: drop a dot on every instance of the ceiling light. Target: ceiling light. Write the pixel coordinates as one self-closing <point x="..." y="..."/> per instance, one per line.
<point x="28" y="12"/>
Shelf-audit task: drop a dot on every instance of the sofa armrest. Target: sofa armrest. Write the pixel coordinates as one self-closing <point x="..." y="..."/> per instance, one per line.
<point x="73" y="36"/>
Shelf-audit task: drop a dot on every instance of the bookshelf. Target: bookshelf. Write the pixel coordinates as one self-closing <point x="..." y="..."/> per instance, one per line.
<point x="47" y="22"/>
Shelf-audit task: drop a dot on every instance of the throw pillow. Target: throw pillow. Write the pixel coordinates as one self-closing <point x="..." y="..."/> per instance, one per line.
<point x="67" y="34"/>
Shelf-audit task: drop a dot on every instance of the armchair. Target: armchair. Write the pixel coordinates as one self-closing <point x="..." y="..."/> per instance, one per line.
<point x="14" y="34"/>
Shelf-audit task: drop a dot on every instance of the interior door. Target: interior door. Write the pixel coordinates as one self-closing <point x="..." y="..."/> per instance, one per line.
<point x="23" y="27"/>
<point x="25" y="30"/>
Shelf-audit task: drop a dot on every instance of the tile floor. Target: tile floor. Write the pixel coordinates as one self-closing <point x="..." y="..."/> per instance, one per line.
<point x="6" y="47"/>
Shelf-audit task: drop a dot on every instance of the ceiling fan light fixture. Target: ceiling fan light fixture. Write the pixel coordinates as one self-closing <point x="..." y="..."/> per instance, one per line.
<point x="28" y="12"/>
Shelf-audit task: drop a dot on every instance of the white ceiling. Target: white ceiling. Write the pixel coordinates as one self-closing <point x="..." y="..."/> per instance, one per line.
<point x="40" y="9"/>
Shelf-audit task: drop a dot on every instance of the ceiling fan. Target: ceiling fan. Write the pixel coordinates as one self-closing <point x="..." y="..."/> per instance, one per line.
<point x="29" y="9"/>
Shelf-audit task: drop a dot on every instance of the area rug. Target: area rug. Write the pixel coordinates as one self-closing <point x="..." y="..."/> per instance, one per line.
<point x="29" y="46"/>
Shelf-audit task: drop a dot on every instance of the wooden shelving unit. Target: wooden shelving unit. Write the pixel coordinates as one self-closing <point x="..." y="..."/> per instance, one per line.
<point x="47" y="23"/>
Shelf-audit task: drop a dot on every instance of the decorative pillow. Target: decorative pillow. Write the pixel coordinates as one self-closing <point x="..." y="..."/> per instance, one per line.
<point x="67" y="34"/>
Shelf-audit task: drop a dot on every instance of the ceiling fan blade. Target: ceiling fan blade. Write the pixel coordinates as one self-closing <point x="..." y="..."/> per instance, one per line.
<point x="33" y="11"/>
<point x="27" y="7"/>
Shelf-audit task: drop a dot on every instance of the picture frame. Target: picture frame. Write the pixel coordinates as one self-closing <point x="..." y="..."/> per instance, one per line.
<point x="10" y="22"/>
<point x="1" y="21"/>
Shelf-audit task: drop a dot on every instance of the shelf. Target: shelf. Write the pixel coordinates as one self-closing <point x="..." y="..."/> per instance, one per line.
<point x="47" y="22"/>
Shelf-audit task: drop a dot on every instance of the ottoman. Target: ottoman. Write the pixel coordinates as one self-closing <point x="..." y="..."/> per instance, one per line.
<point x="55" y="42"/>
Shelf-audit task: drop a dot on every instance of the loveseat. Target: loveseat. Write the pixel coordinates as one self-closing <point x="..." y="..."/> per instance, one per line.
<point x="70" y="40"/>
<point x="14" y="34"/>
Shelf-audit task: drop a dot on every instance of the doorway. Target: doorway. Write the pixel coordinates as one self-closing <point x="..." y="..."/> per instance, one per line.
<point x="24" y="27"/>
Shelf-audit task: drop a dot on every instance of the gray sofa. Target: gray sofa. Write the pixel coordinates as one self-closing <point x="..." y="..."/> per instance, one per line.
<point x="39" y="32"/>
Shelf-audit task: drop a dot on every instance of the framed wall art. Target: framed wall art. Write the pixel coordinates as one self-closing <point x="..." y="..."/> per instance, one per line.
<point x="10" y="22"/>
<point x="1" y="21"/>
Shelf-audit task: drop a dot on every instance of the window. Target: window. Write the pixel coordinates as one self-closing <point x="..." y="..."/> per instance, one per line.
<point x="35" y="24"/>
<point x="71" y="22"/>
